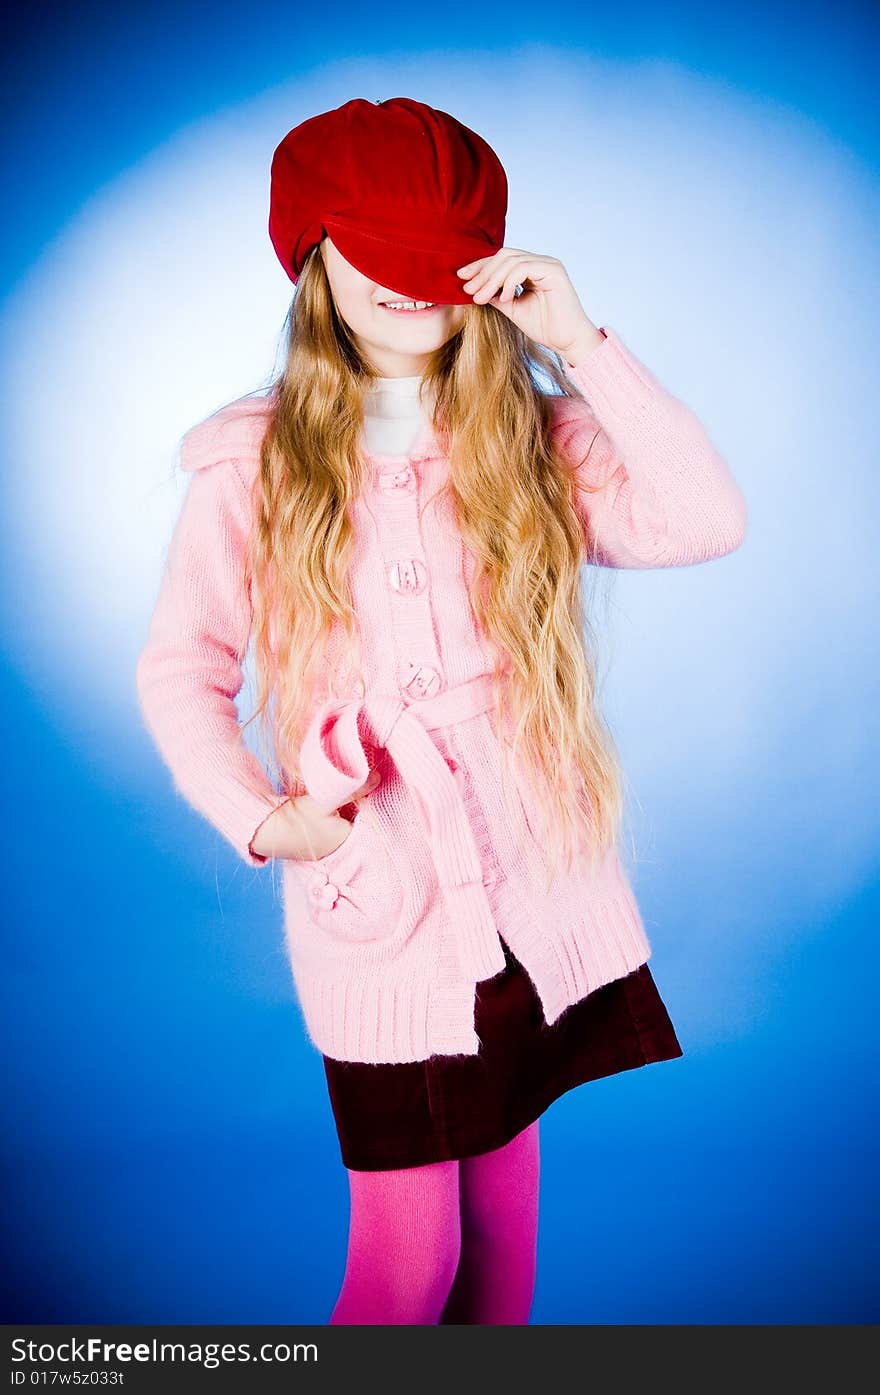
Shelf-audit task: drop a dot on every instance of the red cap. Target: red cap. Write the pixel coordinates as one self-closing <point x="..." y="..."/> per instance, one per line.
<point x="406" y="192"/>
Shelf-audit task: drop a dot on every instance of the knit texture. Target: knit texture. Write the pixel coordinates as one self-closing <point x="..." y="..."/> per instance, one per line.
<point x="388" y="935"/>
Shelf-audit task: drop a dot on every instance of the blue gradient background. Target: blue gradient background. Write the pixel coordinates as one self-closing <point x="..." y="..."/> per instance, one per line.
<point x="710" y="179"/>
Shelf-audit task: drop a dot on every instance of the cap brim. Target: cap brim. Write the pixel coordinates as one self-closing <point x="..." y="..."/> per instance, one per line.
<point x="419" y="273"/>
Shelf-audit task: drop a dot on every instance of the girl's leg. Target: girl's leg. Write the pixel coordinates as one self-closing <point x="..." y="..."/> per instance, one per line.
<point x="499" y="1234"/>
<point x="403" y="1245"/>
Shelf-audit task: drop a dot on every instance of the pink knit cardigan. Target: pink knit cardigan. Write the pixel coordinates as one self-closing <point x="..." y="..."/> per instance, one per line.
<point x="388" y="935"/>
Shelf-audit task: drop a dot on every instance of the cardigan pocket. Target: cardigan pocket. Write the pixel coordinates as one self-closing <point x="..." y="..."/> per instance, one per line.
<point x="354" y="892"/>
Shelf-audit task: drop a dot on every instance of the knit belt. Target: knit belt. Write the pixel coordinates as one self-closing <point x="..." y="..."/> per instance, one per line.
<point x="334" y="764"/>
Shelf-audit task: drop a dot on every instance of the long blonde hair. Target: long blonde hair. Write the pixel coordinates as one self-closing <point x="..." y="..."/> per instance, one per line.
<point x="514" y="499"/>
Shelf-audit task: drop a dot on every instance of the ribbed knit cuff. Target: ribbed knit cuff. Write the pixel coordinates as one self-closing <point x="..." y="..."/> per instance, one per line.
<point x="238" y="813"/>
<point x="617" y="385"/>
<point x="571" y="366"/>
<point x="254" y="858"/>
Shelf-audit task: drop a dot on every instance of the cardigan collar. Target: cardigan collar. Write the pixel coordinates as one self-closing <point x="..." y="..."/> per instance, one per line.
<point x="236" y="431"/>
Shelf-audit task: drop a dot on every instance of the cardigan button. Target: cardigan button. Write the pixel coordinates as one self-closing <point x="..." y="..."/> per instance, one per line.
<point x="408" y="577"/>
<point x="398" y="481"/>
<point x="420" y="680"/>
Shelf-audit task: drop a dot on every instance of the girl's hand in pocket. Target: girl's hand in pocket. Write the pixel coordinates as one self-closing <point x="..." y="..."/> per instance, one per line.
<point x="299" y="829"/>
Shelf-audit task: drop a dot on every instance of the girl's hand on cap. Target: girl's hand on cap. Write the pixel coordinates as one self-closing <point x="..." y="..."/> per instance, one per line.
<point x="548" y="310"/>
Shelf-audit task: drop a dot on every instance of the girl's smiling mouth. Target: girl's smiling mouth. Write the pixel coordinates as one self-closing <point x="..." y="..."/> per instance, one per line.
<point x="409" y="307"/>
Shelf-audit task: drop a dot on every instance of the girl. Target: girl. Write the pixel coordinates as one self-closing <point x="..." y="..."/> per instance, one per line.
<point x="399" y="526"/>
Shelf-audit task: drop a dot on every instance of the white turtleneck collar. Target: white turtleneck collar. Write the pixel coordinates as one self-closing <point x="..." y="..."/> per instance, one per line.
<point x="393" y="414"/>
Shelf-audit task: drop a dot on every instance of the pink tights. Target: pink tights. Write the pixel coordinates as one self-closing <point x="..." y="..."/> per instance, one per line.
<point x="448" y="1242"/>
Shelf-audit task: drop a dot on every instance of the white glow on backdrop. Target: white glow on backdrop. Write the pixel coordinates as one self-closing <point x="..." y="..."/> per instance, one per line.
<point x="726" y="239"/>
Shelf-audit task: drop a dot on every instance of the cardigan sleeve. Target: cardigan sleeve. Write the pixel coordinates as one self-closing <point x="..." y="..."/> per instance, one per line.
<point x="190" y="669"/>
<point x="650" y="487"/>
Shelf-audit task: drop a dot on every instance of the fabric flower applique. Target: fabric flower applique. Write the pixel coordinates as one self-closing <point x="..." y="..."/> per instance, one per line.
<point x="323" y="892"/>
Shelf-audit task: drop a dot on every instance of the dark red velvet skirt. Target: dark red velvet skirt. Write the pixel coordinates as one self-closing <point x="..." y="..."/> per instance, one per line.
<point x="415" y="1112"/>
